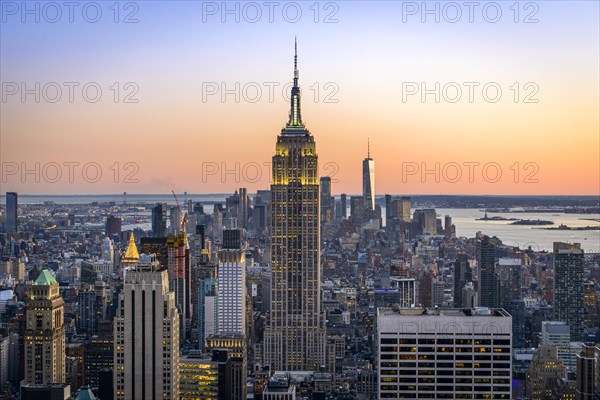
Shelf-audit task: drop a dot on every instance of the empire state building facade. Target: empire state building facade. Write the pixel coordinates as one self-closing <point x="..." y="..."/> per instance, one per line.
<point x="295" y="329"/>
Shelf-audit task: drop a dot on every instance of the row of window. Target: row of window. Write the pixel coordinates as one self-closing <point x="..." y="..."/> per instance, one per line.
<point x="443" y="372"/>
<point x="447" y="341"/>
<point x="442" y="388"/>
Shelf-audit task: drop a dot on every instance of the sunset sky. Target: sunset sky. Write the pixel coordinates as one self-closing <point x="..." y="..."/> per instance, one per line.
<point x="179" y="136"/>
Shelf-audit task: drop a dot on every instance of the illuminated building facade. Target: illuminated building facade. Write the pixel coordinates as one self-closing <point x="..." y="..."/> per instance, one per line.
<point x="295" y="328"/>
<point x="45" y="333"/>
<point x="198" y="378"/>
<point x="232" y="350"/>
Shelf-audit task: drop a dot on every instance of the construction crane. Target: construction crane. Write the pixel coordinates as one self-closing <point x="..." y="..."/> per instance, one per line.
<point x="183" y="219"/>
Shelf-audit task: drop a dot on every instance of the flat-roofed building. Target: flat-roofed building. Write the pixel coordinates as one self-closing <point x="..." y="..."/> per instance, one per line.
<point x="444" y="353"/>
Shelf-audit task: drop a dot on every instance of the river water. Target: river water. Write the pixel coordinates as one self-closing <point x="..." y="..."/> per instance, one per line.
<point x="465" y="220"/>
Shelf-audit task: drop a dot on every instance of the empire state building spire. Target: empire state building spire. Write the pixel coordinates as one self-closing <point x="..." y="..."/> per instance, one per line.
<point x="295" y="118"/>
<point x="295" y="335"/>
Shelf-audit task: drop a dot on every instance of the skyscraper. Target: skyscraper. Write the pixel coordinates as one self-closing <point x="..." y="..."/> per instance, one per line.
<point x="357" y="210"/>
<point x="568" y="287"/>
<point x="368" y="176"/>
<point x="159" y="220"/>
<point x="295" y="329"/>
<point x="462" y="274"/>
<point x="510" y="297"/>
<point x="207" y="303"/>
<point x="45" y="333"/>
<point x="488" y="281"/>
<point x="426" y="220"/>
<point x="545" y="368"/>
<point x="179" y="263"/>
<point x="113" y="226"/>
<point x="242" y="213"/>
<point x="231" y="285"/>
<point x="405" y="215"/>
<point x="146" y="332"/>
<point x="558" y="334"/>
<point x="11" y="212"/>
<point x="87" y="321"/>
<point x="327" y="202"/>
<point x="586" y="373"/>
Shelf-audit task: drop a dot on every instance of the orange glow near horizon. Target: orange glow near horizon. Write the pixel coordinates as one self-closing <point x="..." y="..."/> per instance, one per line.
<point x="178" y="138"/>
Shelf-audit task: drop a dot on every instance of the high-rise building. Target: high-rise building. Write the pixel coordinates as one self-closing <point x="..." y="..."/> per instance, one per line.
<point x="207" y="303"/>
<point x="448" y="226"/>
<point x="426" y="220"/>
<point x="242" y="213"/>
<point x="108" y="252"/>
<point x="405" y="215"/>
<point x="545" y="368"/>
<point x="388" y="207"/>
<point x="590" y="304"/>
<point x="159" y="220"/>
<point x="357" y="209"/>
<point x="407" y="289"/>
<point x="113" y="226"/>
<point x="174" y="252"/>
<point x="199" y="378"/>
<point x="469" y="296"/>
<point x="488" y="280"/>
<point x="146" y="333"/>
<point x="327" y="202"/>
<point x="294" y="337"/>
<point x="87" y="318"/>
<point x="586" y="374"/>
<point x="175" y="218"/>
<point x="568" y="287"/>
<point x="558" y="334"/>
<point x="11" y="212"/>
<point x="444" y="354"/>
<point x="231" y="285"/>
<point x="462" y="274"/>
<point x="45" y="333"/>
<point x="510" y="297"/>
<point x="235" y="347"/>
<point x="4" y="357"/>
<point x="98" y="358"/>
<point x="344" y="205"/>
<point x="179" y="267"/>
<point x="368" y="177"/>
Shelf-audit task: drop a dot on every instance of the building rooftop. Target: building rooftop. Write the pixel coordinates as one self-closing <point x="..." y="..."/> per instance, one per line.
<point x="85" y="394"/>
<point x="448" y="312"/>
<point x="131" y="255"/>
<point x="45" y="279"/>
<point x="509" y="261"/>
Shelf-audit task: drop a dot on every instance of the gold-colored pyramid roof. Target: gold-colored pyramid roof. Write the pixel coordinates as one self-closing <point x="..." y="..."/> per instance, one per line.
<point x="131" y="255"/>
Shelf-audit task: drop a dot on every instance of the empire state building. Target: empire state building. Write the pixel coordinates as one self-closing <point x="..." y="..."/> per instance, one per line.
<point x="295" y="329"/>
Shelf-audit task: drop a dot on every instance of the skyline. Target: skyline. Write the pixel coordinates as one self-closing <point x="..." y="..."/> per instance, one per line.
<point x="318" y="200"/>
<point x="174" y="139"/>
